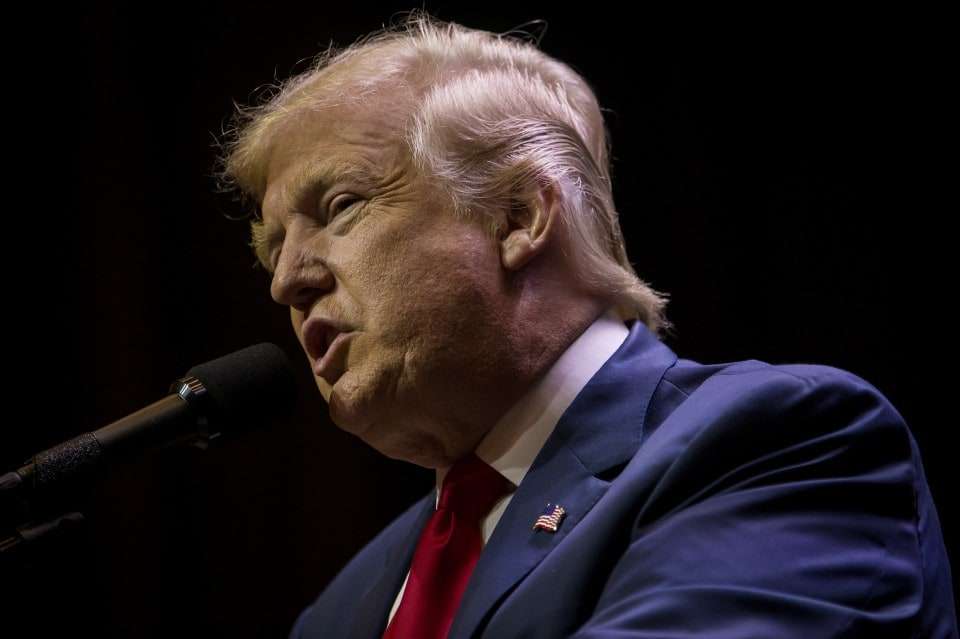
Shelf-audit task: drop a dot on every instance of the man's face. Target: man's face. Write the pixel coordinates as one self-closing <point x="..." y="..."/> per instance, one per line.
<point x="368" y="255"/>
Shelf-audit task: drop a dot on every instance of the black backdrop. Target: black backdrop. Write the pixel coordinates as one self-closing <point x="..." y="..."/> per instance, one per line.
<point x="786" y="178"/>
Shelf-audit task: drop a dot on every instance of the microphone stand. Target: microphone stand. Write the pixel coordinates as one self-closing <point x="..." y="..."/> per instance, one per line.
<point x="55" y="528"/>
<point x="52" y="478"/>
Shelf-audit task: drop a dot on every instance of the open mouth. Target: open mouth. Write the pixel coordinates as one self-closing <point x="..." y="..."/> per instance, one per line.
<point x="318" y="335"/>
<point x="322" y="339"/>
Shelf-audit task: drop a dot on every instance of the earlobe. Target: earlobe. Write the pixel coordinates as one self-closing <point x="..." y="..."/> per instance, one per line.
<point x="516" y="250"/>
<point x="528" y="228"/>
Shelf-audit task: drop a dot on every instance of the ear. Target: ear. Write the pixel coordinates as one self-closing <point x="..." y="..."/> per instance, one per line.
<point x="529" y="226"/>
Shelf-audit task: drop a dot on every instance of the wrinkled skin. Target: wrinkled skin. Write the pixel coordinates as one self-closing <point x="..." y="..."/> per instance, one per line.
<point x="452" y="325"/>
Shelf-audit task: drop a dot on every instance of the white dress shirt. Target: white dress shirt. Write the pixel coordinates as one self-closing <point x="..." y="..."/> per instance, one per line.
<point x="514" y="442"/>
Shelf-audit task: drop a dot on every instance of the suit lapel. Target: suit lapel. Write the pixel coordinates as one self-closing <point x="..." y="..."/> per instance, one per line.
<point x="374" y="605"/>
<point x="600" y="431"/>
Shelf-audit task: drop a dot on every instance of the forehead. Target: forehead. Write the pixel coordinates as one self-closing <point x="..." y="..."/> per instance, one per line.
<point x="339" y="144"/>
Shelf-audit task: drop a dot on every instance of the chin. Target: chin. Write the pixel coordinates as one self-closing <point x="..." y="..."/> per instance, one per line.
<point x="423" y="449"/>
<point x="346" y="416"/>
<point x="360" y="410"/>
<point x="423" y="457"/>
<point x="415" y="447"/>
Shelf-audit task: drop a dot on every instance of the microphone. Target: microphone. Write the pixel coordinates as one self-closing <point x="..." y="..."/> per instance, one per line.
<point x="225" y="395"/>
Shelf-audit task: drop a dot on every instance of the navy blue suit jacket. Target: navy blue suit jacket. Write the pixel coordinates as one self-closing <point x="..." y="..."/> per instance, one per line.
<point x="731" y="500"/>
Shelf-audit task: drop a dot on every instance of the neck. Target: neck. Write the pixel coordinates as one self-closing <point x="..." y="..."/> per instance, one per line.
<point x="531" y="346"/>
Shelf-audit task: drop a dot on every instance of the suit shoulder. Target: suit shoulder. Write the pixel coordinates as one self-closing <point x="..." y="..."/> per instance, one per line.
<point x="724" y="416"/>
<point x="777" y="388"/>
<point x="806" y="374"/>
<point x="837" y="398"/>
<point x="730" y="401"/>
<point x="749" y="423"/>
<point x="755" y="473"/>
<point x="688" y="375"/>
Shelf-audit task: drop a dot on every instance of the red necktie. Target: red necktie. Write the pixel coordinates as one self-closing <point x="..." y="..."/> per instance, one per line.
<point x="448" y="549"/>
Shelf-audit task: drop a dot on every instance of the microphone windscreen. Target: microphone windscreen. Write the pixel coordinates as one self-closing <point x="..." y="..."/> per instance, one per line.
<point x="248" y="386"/>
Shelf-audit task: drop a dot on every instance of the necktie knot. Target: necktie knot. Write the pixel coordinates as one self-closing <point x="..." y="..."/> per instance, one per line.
<point x="472" y="487"/>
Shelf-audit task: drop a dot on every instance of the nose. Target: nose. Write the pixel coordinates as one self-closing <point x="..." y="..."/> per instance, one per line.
<point x="301" y="276"/>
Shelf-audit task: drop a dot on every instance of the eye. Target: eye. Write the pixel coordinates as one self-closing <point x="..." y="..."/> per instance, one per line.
<point x="340" y="204"/>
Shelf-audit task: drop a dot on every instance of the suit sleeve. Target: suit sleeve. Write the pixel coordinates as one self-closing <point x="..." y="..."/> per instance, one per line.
<point x="791" y="512"/>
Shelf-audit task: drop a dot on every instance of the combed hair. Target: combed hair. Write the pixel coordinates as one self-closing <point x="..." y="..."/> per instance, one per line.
<point x="490" y="117"/>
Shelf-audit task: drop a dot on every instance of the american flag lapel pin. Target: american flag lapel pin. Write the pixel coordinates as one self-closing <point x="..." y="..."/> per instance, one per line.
<point x="550" y="518"/>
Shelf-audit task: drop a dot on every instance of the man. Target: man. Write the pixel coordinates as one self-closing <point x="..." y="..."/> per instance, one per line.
<point x="437" y="214"/>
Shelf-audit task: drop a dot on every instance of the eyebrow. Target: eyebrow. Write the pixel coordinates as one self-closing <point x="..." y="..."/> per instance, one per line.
<point x="315" y="179"/>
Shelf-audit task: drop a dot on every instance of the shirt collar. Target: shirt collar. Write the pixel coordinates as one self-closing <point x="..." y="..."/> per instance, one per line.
<point x="515" y="440"/>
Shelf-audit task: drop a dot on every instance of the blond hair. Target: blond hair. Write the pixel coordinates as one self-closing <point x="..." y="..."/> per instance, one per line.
<point x="488" y="116"/>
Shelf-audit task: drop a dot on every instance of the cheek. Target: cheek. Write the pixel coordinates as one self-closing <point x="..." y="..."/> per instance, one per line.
<point x="422" y="296"/>
<point x="431" y="276"/>
<point x="296" y="319"/>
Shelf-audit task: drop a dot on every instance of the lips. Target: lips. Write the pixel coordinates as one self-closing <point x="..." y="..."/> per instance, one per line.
<point x="318" y="335"/>
<point x="322" y="339"/>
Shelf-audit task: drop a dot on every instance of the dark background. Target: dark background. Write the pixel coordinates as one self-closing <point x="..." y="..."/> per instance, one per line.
<point x="787" y="178"/>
